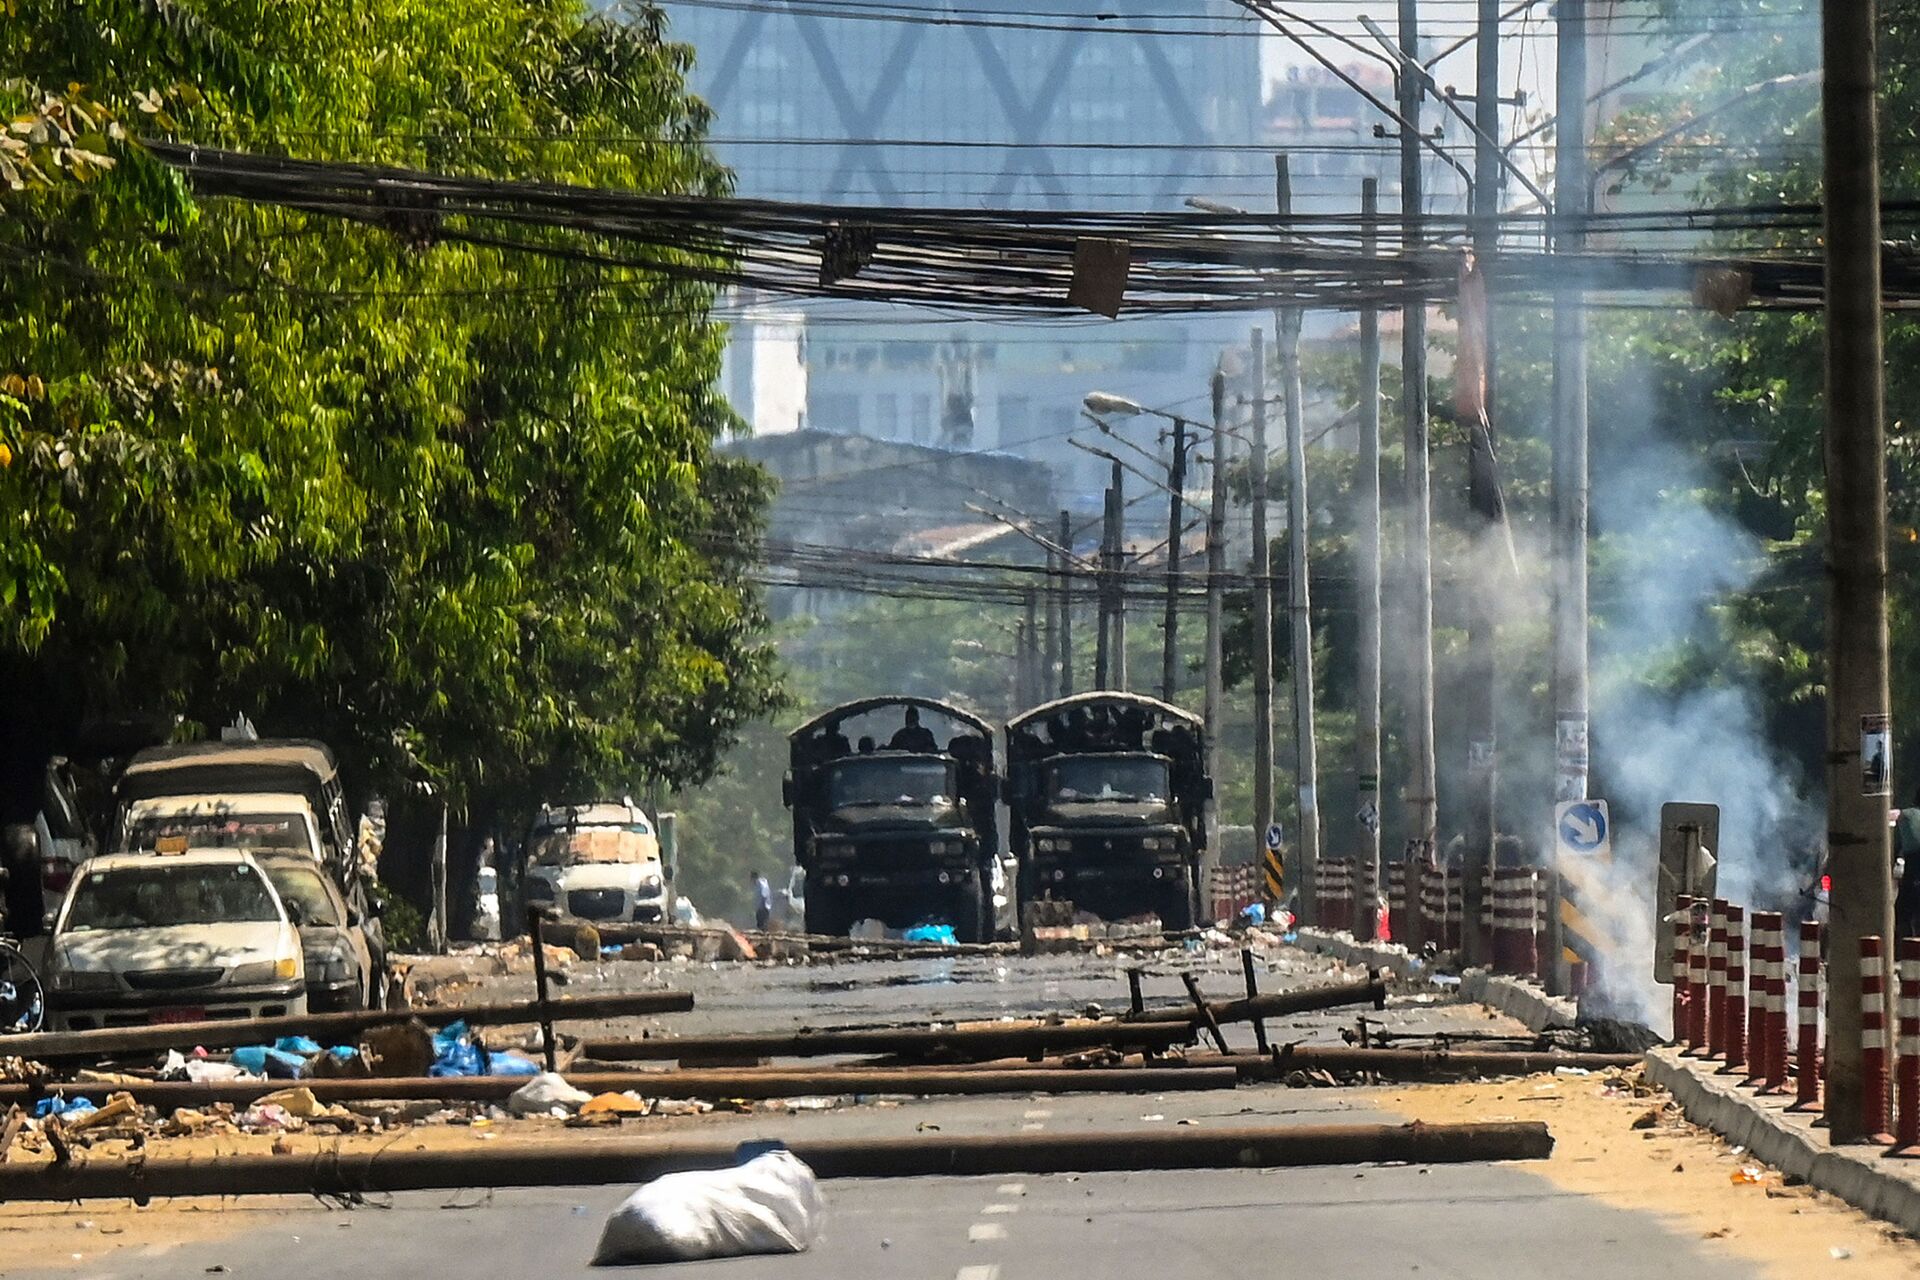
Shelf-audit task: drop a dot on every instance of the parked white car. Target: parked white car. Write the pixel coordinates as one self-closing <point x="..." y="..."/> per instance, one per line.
<point x="174" y="937"/>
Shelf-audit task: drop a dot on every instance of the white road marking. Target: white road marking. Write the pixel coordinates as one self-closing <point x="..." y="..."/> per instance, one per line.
<point x="984" y="1271"/>
<point x="1011" y="1189"/>
<point x="1038" y="1113"/>
<point x="993" y="1209"/>
<point x="981" y="1232"/>
<point x="1034" y="1127"/>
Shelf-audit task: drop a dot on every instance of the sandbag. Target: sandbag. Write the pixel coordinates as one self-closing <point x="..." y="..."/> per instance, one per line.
<point x="546" y="1091"/>
<point x="770" y="1204"/>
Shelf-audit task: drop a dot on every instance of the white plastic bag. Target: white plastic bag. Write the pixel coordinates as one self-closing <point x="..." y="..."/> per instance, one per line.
<point x="540" y="1095"/>
<point x="770" y="1204"/>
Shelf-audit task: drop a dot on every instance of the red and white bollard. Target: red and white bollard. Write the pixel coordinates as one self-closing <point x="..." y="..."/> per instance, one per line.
<point x="1717" y="980"/>
<point x="1768" y="1046"/>
<point x="1807" y="995"/>
<point x="1398" y="903"/>
<point x="1735" y="1040"/>
<point x="1681" y="963"/>
<point x="1906" y="1110"/>
<point x="1699" y="985"/>
<point x="1873" y="1036"/>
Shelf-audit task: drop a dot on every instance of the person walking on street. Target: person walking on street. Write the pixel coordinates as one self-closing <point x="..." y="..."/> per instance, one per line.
<point x="1906" y="845"/>
<point x="762" y="902"/>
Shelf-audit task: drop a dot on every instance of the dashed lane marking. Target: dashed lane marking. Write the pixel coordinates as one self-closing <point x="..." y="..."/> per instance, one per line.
<point x="1011" y="1189"/>
<point x="981" y="1232"/>
<point x="1038" y="1113"/>
<point x="985" y="1271"/>
<point x="994" y="1209"/>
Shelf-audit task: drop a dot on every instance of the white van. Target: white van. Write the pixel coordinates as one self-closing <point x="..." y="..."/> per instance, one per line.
<point x="597" y="862"/>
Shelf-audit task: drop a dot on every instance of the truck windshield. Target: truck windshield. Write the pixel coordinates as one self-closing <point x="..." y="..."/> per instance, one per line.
<point x="1092" y="779"/>
<point x="288" y="832"/>
<point x="881" y="781"/>
<point x="165" y="895"/>
<point x="599" y="842"/>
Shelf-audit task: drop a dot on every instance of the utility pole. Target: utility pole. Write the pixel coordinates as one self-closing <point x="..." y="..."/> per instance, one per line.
<point x="1103" y="599"/>
<point x="1262" y="599"/>
<point x="1066" y="605"/>
<point x="1859" y="730"/>
<point x="1306" y="754"/>
<point x="1050" y="652"/>
<point x="1036" y="678"/>
<point x="1119" y="644"/>
<point x="1366" y="738"/>
<point x="1484" y="500"/>
<point x="1571" y="194"/>
<point x="1170" y="629"/>
<point x="1422" y="791"/>
<point x="1216" y="597"/>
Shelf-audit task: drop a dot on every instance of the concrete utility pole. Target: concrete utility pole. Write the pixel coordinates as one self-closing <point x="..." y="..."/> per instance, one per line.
<point x="1262" y="598"/>
<point x="1572" y="192"/>
<point x="1859" y="730"/>
<point x="1119" y="646"/>
<point x="1422" y="791"/>
<point x="1482" y="630"/>
<point x="1366" y="738"/>
<point x="1216" y="597"/>
<point x="1170" y="629"/>
<point x="1036" y="679"/>
<point x="1066" y="605"/>
<point x="1306" y="754"/>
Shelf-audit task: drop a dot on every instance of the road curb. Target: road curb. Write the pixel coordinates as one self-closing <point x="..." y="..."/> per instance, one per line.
<point x="1518" y="998"/>
<point x="1862" y="1176"/>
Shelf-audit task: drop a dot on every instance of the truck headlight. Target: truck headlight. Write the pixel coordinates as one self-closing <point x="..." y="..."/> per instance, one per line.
<point x="651" y="884"/>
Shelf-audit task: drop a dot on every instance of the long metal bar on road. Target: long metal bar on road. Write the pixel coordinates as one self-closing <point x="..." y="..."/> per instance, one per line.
<point x="604" y="1160"/>
<point x="905" y="1042"/>
<point x="60" y="1046"/>
<point x="1277" y="1004"/>
<point x="1417" y="1064"/>
<point x="751" y="1083"/>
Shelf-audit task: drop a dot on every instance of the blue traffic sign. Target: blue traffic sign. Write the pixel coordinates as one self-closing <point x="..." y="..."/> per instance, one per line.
<point x="1582" y="828"/>
<point x="1275" y="837"/>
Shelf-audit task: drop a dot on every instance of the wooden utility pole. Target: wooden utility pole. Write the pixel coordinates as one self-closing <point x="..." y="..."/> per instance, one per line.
<point x="1262" y="598"/>
<point x="1570" y="198"/>
<point x="1422" y="791"/>
<point x="1216" y="598"/>
<point x="1366" y="738"/>
<point x="1170" y="629"/>
<point x="1066" y="604"/>
<point x="1118" y="656"/>
<point x="1859" y="737"/>
<point x="1306" y="754"/>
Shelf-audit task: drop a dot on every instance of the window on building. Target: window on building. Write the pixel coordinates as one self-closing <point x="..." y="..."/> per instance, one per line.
<point x="886" y="416"/>
<point x="835" y="411"/>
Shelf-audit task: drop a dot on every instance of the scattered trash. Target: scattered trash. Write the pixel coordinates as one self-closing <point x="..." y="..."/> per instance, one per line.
<point x="1648" y="1119"/>
<point x="618" y="1104"/>
<point x="64" y="1107"/>
<point x="545" y="1093"/>
<point x="1839" y="1253"/>
<point x="770" y="1204"/>
<point x="937" y="934"/>
<point x="1747" y="1176"/>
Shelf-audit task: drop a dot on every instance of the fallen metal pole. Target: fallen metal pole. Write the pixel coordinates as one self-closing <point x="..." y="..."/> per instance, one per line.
<point x="1279" y="1003"/>
<point x="1418" y="1064"/>
<point x="330" y="1028"/>
<point x="631" y="1160"/>
<point x="543" y="1000"/>
<point x="1205" y="1013"/>
<point x="171" y="1094"/>
<point x="1253" y="993"/>
<point x="914" y="1042"/>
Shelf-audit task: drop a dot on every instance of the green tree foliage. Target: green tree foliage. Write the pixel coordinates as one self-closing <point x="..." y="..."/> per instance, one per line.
<point x="455" y="510"/>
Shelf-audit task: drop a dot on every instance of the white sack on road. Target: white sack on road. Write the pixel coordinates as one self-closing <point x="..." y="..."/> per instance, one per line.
<point x="540" y="1095"/>
<point x="771" y="1204"/>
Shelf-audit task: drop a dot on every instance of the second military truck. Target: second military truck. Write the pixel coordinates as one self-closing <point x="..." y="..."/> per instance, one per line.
<point x="896" y="824"/>
<point x="1108" y="796"/>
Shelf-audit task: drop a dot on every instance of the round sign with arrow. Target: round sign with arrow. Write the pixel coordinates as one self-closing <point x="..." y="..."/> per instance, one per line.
<point x="1582" y="830"/>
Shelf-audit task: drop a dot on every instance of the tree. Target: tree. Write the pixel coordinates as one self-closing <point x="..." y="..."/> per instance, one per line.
<point x="455" y="510"/>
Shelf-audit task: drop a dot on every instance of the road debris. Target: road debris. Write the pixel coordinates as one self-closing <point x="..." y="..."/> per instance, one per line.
<point x="769" y="1204"/>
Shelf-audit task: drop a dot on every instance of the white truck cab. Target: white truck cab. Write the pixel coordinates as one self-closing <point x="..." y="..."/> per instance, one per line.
<point x="597" y="862"/>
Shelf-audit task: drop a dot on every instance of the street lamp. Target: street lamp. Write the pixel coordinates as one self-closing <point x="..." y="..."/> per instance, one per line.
<point x="1116" y="406"/>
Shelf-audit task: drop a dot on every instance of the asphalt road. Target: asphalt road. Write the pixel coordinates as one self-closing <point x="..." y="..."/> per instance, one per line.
<point x="1328" y="1223"/>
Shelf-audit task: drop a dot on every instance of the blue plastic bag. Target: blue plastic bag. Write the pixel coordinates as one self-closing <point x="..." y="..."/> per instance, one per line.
<point x="75" y="1107"/>
<point x="940" y="935"/>
<point x="508" y="1064"/>
<point x="344" y="1052"/>
<point x="458" y="1058"/>
<point x="251" y="1059"/>
<point x="297" y="1044"/>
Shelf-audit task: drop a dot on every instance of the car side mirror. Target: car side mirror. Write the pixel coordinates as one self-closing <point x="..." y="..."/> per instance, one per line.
<point x="379" y="906"/>
<point x="354" y="920"/>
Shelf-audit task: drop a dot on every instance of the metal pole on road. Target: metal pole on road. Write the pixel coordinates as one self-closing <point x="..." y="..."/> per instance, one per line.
<point x="1262" y="598"/>
<point x="1572" y="191"/>
<point x="1366" y="741"/>
<point x="1859" y="737"/>
<point x="1299" y="589"/>
<point x="1422" y="790"/>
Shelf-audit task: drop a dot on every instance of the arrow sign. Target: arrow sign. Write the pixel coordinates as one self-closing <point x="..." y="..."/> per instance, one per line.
<point x="1582" y="830"/>
<point x="1275" y="837"/>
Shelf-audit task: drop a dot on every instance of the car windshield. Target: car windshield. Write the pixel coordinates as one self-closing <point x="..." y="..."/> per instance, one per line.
<point x="1091" y="779"/>
<point x="881" y="781"/>
<point x="305" y="893"/>
<point x="596" y="842"/>
<point x="213" y="830"/>
<point x="168" y="894"/>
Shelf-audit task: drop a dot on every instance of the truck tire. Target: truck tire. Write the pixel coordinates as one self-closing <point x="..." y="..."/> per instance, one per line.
<point x="973" y="914"/>
<point x="826" y="914"/>
<point x="1178" y="913"/>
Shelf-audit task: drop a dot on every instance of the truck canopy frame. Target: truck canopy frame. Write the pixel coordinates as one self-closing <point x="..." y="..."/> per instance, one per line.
<point x="834" y="716"/>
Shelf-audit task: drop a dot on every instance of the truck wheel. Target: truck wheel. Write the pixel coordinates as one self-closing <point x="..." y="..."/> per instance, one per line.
<point x="826" y="914"/>
<point x="1178" y="913"/>
<point x="973" y="914"/>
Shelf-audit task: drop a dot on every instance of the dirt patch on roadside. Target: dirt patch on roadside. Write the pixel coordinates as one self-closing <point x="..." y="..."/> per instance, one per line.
<point x="1637" y="1152"/>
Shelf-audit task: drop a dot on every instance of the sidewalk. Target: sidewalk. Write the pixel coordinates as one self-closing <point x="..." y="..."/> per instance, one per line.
<point x="1518" y="998"/>
<point x="1864" y="1176"/>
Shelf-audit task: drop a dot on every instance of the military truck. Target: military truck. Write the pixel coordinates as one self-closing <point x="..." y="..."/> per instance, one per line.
<point x="1107" y="794"/>
<point x="893" y="820"/>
